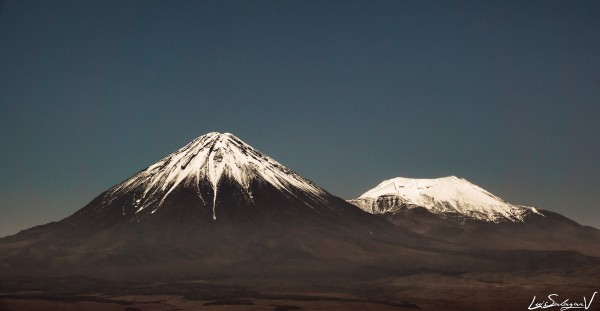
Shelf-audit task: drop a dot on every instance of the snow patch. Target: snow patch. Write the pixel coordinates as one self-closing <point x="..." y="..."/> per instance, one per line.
<point x="442" y="196"/>
<point x="211" y="158"/>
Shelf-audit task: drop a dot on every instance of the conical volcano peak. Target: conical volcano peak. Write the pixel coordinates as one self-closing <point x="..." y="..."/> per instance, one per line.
<point x="211" y="159"/>
<point x="211" y="139"/>
<point x="216" y="136"/>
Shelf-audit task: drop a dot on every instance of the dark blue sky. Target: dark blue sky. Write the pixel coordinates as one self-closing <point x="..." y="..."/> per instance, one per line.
<point x="347" y="93"/>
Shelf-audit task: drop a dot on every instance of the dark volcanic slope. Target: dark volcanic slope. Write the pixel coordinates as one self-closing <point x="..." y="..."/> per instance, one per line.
<point x="549" y="232"/>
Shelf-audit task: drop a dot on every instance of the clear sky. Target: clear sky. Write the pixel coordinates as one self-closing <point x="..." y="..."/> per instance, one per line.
<point x="347" y="93"/>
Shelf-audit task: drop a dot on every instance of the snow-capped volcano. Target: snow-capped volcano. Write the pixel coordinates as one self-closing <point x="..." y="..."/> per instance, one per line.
<point x="211" y="159"/>
<point x="447" y="197"/>
<point x="217" y="205"/>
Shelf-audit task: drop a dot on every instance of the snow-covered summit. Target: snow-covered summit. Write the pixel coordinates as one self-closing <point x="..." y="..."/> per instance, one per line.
<point x="211" y="158"/>
<point x="448" y="197"/>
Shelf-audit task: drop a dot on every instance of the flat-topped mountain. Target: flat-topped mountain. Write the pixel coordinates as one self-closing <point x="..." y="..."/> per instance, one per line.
<point x="448" y="197"/>
<point x="455" y="210"/>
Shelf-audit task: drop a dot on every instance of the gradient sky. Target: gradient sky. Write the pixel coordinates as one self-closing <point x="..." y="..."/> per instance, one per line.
<point x="346" y="93"/>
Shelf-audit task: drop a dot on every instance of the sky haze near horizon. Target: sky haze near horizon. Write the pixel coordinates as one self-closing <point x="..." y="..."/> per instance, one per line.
<point x="347" y="93"/>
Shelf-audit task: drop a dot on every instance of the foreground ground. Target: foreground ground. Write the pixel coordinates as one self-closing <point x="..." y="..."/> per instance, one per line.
<point x="424" y="291"/>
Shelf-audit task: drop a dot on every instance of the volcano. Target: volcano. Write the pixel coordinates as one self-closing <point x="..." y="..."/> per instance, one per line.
<point x="217" y="206"/>
<point x="458" y="211"/>
<point x="447" y="197"/>
<point x="219" y="179"/>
